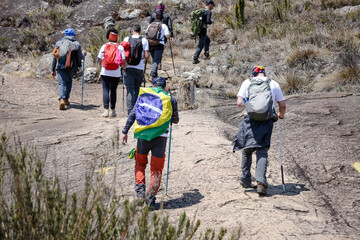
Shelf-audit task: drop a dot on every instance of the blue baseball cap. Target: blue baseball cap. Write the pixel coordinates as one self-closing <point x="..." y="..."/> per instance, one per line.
<point x="159" y="81"/>
<point x="69" y="32"/>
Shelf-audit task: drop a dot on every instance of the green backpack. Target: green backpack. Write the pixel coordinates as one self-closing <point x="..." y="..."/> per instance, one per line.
<point x="196" y="18"/>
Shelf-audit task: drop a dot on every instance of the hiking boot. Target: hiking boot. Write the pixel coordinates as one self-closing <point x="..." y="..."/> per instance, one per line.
<point x="261" y="189"/>
<point x="159" y="66"/>
<point x="112" y="113"/>
<point x="66" y="100"/>
<point x="151" y="202"/>
<point x="245" y="184"/>
<point x="195" y="61"/>
<point x="140" y="191"/>
<point x="207" y="55"/>
<point x="62" y="104"/>
<point x="105" y="113"/>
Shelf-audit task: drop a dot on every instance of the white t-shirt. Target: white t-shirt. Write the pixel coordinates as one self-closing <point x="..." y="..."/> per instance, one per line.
<point x="145" y="45"/>
<point x="111" y="73"/>
<point x="276" y="92"/>
<point x="164" y="31"/>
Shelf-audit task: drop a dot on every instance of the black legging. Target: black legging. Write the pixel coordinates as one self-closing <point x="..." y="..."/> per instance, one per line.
<point x="109" y="84"/>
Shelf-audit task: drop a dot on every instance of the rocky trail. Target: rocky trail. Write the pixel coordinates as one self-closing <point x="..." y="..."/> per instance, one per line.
<point x="320" y="143"/>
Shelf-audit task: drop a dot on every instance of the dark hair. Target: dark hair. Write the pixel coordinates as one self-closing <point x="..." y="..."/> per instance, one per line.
<point x="113" y="30"/>
<point x="136" y="28"/>
<point x="159" y="15"/>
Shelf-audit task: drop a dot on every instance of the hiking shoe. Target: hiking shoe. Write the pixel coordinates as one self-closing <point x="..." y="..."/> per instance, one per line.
<point x="196" y="61"/>
<point x="112" y="113"/>
<point x="261" y="189"/>
<point x="62" y="104"/>
<point x="159" y="66"/>
<point x="66" y="100"/>
<point x="151" y="202"/>
<point x="245" y="184"/>
<point x="207" y="55"/>
<point x="105" y="113"/>
<point x="140" y="190"/>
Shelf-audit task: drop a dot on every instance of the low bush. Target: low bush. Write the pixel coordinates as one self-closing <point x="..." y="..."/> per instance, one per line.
<point x="35" y="206"/>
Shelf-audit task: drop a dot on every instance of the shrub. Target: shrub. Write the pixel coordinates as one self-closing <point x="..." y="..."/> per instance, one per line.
<point x="302" y="58"/>
<point x="96" y="38"/>
<point x="33" y="206"/>
<point x="293" y="84"/>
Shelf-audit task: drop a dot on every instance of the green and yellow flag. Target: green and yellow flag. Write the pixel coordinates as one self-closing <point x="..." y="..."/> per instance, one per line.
<point x="153" y="113"/>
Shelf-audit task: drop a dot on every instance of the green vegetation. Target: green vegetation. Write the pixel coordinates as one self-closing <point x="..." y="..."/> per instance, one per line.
<point x="36" y="206"/>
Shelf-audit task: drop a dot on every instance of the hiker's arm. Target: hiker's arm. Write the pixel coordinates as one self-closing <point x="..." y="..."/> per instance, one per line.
<point x="130" y="121"/>
<point x="208" y="18"/>
<point x="146" y="54"/>
<point x="54" y="62"/>
<point x="240" y="102"/>
<point x="169" y="24"/>
<point x="175" y="115"/>
<point x="167" y="36"/>
<point x="124" y="64"/>
<point x="282" y="109"/>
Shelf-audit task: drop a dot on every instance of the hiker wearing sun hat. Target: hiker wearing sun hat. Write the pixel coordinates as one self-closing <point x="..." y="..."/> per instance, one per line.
<point x="65" y="72"/>
<point x="257" y="94"/>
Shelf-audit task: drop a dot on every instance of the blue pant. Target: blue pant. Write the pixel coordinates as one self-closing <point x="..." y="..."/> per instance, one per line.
<point x="261" y="164"/>
<point x="65" y="82"/>
<point x="109" y="85"/>
<point x="133" y="79"/>
<point x="156" y="53"/>
<point x="204" y="41"/>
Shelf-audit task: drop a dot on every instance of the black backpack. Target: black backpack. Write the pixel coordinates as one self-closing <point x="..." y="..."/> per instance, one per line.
<point x="136" y="49"/>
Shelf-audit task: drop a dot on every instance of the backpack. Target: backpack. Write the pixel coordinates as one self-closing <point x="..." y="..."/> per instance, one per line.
<point x="66" y="51"/>
<point x="196" y="18"/>
<point x="126" y="46"/>
<point x="136" y="49"/>
<point x="153" y="111"/>
<point x="259" y="107"/>
<point x="153" y="34"/>
<point x="112" y="57"/>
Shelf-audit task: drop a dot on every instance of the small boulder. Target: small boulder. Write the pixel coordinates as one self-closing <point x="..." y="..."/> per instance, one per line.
<point x="43" y="68"/>
<point x="90" y="75"/>
<point x="11" y="67"/>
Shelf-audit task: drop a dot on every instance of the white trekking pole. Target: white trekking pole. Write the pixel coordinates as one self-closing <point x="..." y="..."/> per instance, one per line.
<point x="282" y="169"/>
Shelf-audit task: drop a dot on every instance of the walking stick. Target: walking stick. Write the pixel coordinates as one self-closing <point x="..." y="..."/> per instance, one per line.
<point x="172" y="57"/>
<point x="82" y="82"/>
<point x="145" y="71"/>
<point x="168" y="166"/>
<point x="123" y="73"/>
<point x="282" y="169"/>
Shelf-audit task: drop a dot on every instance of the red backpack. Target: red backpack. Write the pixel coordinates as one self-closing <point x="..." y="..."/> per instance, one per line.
<point x="112" y="57"/>
<point x="126" y="46"/>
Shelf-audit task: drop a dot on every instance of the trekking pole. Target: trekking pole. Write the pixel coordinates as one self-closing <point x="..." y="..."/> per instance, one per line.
<point x="172" y="57"/>
<point x="168" y="166"/>
<point x="123" y="90"/>
<point x="145" y="71"/>
<point x="282" y="169"/>
<point x="82" y="82"/>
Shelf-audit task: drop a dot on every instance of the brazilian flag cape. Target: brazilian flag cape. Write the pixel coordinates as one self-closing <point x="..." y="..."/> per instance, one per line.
<point x="153" y="111"/>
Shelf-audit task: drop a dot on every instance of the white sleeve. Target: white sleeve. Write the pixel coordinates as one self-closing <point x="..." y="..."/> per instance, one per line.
<point x="145" y="44"/>
<point x="101" y="52"/>
<point x="121" y="48"/>
<point x="278" y="93"/>
<point x="166" y="29"/>
<point x="243" y="92"/>
<point x="126" y="39"/>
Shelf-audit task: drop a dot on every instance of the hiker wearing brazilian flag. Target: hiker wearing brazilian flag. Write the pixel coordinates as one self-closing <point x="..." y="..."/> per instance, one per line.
<point x="154" y="111"/>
